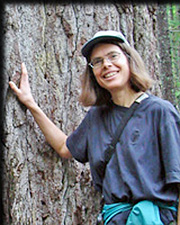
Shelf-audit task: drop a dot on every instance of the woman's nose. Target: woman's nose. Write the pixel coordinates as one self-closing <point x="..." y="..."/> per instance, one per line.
<point x="106" y="62"/>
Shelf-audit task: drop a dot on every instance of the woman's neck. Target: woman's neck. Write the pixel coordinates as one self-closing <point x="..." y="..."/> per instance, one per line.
<point x="125" y="99"/>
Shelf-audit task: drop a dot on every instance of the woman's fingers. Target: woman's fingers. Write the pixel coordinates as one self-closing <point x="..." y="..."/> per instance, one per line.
<point x="14" y="87"/>
<point x="24" y="74"/>
<point x="23" y="81"/>
<point x="23" y="92"/>
<point x="24" y="88"/>
<point x="24" y="70"/>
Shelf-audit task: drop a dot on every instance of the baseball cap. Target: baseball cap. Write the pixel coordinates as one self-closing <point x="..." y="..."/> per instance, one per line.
<point x="100" y="37"/>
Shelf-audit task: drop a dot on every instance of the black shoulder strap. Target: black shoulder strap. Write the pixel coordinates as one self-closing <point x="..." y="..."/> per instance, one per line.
<point x="109" y="151"/>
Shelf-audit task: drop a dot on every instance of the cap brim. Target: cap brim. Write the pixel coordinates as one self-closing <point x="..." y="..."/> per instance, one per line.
<point x="87" y="48"/>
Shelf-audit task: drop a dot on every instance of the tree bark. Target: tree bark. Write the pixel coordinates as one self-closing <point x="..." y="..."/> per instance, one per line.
<point x="165" y="55"/>
<point x="39" y="187"/>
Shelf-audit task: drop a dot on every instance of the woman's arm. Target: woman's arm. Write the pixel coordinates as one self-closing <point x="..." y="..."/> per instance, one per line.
<point x="54" y="136"/>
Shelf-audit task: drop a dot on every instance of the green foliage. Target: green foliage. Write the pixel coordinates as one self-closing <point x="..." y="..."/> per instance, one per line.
<point x="173" y="12"/>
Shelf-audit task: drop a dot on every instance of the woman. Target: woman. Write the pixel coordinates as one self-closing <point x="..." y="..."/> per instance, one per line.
<point x="143" y="174"/>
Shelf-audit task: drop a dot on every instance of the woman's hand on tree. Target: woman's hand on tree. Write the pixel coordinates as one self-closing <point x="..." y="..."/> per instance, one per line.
<point x="24" y="91"/>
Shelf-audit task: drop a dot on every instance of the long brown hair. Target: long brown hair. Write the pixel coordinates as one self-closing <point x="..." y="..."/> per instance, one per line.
<point x="93" y="94"/>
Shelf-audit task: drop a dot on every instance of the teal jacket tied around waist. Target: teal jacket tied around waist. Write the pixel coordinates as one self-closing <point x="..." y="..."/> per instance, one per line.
<point x="144" y="212"/>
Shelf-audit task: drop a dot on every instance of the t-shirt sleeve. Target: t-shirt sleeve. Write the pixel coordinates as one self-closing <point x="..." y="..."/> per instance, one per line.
<point x="170" y="144"/>
<point x="77" y="142"/>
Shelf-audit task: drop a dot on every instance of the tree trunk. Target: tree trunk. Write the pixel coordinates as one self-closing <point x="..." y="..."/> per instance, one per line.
<point x="165" y="55"/>
<point x="39" y="187"/>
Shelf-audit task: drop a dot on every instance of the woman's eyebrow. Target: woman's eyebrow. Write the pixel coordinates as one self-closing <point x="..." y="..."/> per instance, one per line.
<point x="99" y="57"/>
<point x="95" y="58"/>
<point x="112" y="52"/>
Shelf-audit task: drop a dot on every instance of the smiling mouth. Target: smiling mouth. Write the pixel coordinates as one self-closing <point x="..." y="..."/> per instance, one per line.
<point x="108" y="75"/>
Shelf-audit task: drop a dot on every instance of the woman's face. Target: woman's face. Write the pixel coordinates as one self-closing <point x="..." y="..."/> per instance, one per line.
<point x="111" y="67"/>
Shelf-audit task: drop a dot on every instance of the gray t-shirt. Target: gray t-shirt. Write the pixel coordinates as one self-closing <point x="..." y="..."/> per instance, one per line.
<point x="146" y="161"/>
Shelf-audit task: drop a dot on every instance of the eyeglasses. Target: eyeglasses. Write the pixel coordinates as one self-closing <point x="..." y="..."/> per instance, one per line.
<point x="98" y="62"/>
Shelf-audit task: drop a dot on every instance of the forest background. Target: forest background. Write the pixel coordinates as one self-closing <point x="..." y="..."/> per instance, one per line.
<point x="38" y="187"/>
